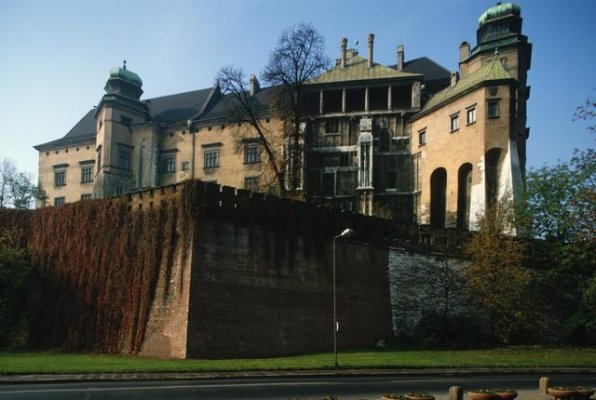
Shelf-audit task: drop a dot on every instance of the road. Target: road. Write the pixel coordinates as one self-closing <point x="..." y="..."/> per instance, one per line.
<point x="347" y="387"/>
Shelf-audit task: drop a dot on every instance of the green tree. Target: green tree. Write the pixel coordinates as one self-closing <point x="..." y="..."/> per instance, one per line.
<point x="559" y="201"/>
<point x="15" y="284"/>
<point x="17" y="189"/>
<point x="559" y="207"/>
<point x="495" y="277"/>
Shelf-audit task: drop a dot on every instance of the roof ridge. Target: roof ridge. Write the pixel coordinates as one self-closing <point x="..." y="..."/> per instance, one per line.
<point x="179" y="94"/>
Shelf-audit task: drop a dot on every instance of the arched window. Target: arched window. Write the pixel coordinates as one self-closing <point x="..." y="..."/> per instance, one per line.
<point x="438" y="197"/>
<point x="493" y="161"/>
<point x="464" y="195"/>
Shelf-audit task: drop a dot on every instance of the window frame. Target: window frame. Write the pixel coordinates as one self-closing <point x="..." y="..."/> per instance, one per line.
<point x="454" y="122"/>
<point x="124" y="158"/>
<point x="86" y="173"/>
<point x="252" y="153"/>
<point x="471" y="111"/>
<point x="168" y="164"/>
<point x="211" y="158"/>
<point x="497" y="105"/>
<point x="251" y="183"/>
<point x="60" y="177"/>
<point x="422" y="137"/>
<point x="59" y="201"/>
<point x="332" y="126"/>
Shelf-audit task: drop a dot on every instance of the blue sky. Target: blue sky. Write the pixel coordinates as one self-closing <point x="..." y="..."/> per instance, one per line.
<point x="55" y="54"/>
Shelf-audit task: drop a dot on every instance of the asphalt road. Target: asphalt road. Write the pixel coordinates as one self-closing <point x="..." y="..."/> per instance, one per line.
<point x="347" y="387"/>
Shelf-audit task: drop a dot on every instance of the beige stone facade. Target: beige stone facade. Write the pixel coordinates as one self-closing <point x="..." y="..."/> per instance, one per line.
<point x="410" y="141"/>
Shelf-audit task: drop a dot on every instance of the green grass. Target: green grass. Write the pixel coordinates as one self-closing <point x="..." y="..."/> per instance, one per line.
<point x="28" y="362"/>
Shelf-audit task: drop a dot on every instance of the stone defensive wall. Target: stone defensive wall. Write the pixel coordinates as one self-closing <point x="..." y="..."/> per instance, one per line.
<point x="198" y="270"/>
<point x="261" y="275"/>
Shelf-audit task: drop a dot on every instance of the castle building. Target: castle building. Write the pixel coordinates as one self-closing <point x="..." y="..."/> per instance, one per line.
<point x="410" y="141"/>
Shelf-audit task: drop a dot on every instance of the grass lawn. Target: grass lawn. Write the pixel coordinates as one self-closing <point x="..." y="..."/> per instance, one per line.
<point x="29" y="362"/>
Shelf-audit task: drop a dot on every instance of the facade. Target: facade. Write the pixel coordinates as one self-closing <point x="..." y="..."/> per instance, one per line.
<point x="410" y="141"/>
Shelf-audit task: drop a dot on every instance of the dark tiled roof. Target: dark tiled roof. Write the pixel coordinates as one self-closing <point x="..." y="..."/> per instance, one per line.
<point x="165" y="109"/>
<point x="83" y="131"/>
<point x="178" y="107"/>
<point x="427" y="67"/>
<point x="220" y="109"/>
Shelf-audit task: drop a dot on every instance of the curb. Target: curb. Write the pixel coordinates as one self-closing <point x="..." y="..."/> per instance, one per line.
<point x="148" y="376"/>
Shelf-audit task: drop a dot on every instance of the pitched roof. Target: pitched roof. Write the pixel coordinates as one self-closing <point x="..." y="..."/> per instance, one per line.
<point x="493" y="71"/>
<point x="178" y="107"/>
<point x="83" y="131"/>
<point x="221" y="108"/>
<point x="427" y="67"/>
<point x="165" y="109"/>
<point x="357" y="69"/>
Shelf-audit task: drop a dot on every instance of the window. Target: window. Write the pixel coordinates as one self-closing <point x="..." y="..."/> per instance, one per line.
<point x="58" y="201"/>
<point x="86" y="196"/>
<point x="471" y="115"/>
<point x="185" y="165"/>
<point x="251" y="183"/>
<point x="126" y="121"/>
<point x="60" y="177"/>
<point x="422" y="137"/>
<point x="454" y="122"/>
<point x="332" y="126"/>
<point x="211" y="159"/>
<point x="87" y="173"/>
<point x="98" y="158"/>
<point x="124" y="157"/>
<point x="251" y="154"/>
<point x="493" y="109"/>
<point x="169" y="164"/>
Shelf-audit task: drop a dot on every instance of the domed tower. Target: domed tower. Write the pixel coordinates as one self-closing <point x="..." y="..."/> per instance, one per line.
<point x="118" y="112"/>
<point x="500" y="32"/>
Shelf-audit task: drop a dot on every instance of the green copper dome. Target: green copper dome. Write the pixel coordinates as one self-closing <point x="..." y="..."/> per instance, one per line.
<point x="500" y="10"/>
<point x="123" y="73"/>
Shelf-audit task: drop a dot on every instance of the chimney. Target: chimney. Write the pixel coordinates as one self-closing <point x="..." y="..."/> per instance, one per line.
<point x="464" y="51"/>
<point x="454" y="78"/>
<point x="371" y="42"/>
<point x="400" y="57"/>
<point x="344" y="46"/>
<point x="253" y="85"/>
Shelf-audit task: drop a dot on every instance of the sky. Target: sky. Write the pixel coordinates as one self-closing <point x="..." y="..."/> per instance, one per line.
<point x="55" y="54"/>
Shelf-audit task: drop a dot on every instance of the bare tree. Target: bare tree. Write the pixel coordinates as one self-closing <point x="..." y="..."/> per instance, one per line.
<point x="298" y="57"/>
<point x="7" y="171"/>
<point x="242" y="106"/>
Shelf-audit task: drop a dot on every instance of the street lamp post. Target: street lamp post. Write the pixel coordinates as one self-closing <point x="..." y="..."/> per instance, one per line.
<point x="346" y="232"/>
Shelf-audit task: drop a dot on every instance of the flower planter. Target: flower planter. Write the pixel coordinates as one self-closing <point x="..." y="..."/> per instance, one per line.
<point x="583" y="392"/>
<point x="419" y="396"/>
<point x="482" y="394"/>
<point x="506" y="394"/>
<point x="559" y="392"/>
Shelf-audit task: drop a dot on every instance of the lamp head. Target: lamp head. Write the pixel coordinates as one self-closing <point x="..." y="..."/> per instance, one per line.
<point x="347" y="232"/>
